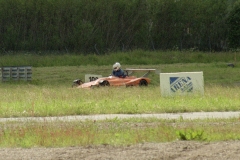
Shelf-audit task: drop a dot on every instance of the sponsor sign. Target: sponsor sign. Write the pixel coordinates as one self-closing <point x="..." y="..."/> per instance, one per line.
<point x="181" y="83"/>
<point x="16" y="73"/>
<point x="91" y="77"/>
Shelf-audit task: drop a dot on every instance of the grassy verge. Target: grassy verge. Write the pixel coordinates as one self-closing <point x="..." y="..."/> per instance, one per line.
<point x="59" y="101"/>
<point x="115" y="132"/>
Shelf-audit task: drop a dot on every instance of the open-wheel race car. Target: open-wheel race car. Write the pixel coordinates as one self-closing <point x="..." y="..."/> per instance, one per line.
<point x="129" y="80"/>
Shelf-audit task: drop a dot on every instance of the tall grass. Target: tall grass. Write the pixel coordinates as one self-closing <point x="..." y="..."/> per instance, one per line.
<point x="115" y="132"/>
<point x="136" y="57"/>
<point x="30" y="100"/>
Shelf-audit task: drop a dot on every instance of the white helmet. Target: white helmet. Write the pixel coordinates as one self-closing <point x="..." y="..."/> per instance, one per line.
<point x="116" y="66"/>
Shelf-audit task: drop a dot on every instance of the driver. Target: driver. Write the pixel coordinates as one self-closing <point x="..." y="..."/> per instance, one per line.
<point x="117" y="71"/>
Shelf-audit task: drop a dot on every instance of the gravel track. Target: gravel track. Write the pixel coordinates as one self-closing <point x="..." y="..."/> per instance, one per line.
<point x="190" y="115"/>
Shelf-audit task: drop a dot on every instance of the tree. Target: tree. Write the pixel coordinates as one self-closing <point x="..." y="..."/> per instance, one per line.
<point x="234" y="27"/>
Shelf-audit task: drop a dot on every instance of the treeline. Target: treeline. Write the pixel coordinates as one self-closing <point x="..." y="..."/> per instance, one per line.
<point x="103" y="26"/>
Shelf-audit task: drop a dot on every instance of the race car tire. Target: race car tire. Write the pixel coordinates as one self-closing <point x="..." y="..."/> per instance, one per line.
<point x="77" y="82"/>
<point x="143" y="82"/>
<point x="105" y="83"/>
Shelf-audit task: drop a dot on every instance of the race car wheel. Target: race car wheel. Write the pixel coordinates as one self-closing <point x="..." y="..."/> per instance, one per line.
<point x="77" y="82"/>
<point x="105" y="83"/>
<point x="143" y="82"/>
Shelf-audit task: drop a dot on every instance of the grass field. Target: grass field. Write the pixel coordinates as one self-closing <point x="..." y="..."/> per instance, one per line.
<point x="50" y="94"/>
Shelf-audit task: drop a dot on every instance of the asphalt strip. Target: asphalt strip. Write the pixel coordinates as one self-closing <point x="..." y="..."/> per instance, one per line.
<point x="170" y="116"/>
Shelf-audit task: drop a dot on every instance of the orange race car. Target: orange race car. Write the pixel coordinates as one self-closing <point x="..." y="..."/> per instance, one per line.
<point x="116" y="81"/>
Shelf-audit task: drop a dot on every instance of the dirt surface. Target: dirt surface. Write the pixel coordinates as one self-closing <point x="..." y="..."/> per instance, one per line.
<point x="188" y="115"/>
<point x="148" y="151"/>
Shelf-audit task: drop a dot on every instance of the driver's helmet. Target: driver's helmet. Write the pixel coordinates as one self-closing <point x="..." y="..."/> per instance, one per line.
<point x="116" y="66"/>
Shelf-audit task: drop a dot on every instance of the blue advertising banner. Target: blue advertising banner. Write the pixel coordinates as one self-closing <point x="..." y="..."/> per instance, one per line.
<point x="183" y="84"/>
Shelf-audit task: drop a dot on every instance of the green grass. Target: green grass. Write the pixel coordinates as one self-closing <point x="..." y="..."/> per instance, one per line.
<point x="214" y="73"/>
<point x="115" y="132"/>
<point x="50" y="94"/>
<point x="30" y="100"/>
<point x="135" y="57"/>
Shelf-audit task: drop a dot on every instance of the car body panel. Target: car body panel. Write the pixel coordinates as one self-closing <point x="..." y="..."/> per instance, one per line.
<point x="115" y="81"/>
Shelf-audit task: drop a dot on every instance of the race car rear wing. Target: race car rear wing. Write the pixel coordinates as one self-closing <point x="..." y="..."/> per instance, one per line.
<point x="131" y="71"/>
